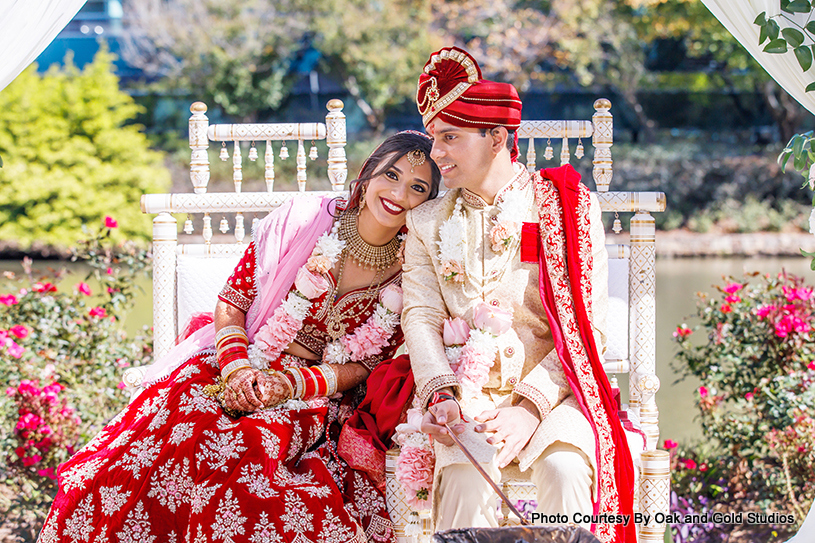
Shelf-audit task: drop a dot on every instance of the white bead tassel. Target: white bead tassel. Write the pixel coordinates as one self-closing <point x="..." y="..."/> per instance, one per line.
<point x="188" y="228"/>
<point x="578" y="153"/>
<point x="253" y="152"/>
<point x="549" y="152"/>
<point x="237" y="167"/>
<point x="224" y="154"/>
<point x="413" y="529"/>
<point x="301" y="166"/>
<point x="268" y="174"/>
<point x="617" y="227"/>
<point x="224" y="226"/>
<point x="284" y="152"/>
<point x="207" y="228"/>
<point x="312" y="153"/>
<point x="531" y="157"/>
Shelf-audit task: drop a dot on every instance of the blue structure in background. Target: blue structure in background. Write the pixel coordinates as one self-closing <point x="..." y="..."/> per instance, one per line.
<point x="98" y="20"/>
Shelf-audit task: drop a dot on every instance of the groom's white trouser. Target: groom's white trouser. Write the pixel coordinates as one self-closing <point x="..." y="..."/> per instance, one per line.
<point x="562" y="475"/>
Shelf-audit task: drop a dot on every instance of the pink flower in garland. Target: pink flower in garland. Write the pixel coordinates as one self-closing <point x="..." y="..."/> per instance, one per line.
<point x="414" y="470"/>
<point x="110" y="222"/>
<point x="99" y="312"/>
<point x="83" y="288"/>
<point x="19" y="330"/>
<point x="8" y="299"/>
<point x="366" y="341"/>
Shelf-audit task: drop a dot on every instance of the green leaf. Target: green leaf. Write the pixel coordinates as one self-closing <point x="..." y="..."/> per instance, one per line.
<point x="797" y="145"/>
<point x="763" y="34"/>
<point x="776" y="46"/>
<point x="1" y="162"/>
<point x="804" y="57"/>
<point x="810" y="27"/>
<point x="799" y="6"/>
<point x="800" y="162"/>
<point x="773" y="29"/>
<point x="761" y="19"/>
<point x="783" y="159"/>
<point x="810" y="87"/>
<point x="793" y="36"/>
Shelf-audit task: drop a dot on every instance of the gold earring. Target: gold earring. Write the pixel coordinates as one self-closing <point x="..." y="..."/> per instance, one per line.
<point x="361" y="200"/>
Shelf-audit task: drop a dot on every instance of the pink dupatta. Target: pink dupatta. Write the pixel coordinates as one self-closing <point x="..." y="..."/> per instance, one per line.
<point x="284" y="240"/>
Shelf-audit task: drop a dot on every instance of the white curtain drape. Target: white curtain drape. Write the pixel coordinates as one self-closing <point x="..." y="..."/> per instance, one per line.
<point x="738" y="16"/>
<point x="26" y="29"/>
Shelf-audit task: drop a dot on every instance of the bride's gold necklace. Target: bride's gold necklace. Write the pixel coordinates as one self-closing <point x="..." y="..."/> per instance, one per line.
<point x="365" y="256"/>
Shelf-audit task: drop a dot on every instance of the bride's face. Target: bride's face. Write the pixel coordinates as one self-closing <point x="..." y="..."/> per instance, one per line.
<point x="392" y="192"/>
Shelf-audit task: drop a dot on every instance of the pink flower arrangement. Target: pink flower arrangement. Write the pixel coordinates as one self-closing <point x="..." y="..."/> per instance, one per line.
<point x="456" y="332"/>
<point x="391" y="298"/>
<point x="682" y="331"/>
<point x="732" y="288"/>
<point x="19" y="330"/>
<point x="98" y="312"/>
<point x="309" y="284"/>
<point x="492" y="319"/>
<point x="319" y="264"/>
<point x="110" y="222"/>
<point x="801" y="293"/>
<point x="278" y="332"/>
<point x="414" y="471"/>
<point x="8" y="299"/>
<point x="367" y="340"/>
<point x="83" y="288"/>
<point x="452" y="271"/>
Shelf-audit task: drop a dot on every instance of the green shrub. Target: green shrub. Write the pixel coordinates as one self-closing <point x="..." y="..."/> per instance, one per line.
<point x="71" y="157"/>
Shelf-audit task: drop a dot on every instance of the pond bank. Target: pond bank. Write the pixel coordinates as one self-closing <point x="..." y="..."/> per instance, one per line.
<point x="686" y="244"/>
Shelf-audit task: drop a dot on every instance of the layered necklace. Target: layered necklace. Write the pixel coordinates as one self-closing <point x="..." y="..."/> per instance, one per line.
<point x="367" y="339"/>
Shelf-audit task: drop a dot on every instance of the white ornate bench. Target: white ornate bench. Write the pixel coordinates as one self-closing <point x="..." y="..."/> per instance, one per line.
<point x="188" y="276"/>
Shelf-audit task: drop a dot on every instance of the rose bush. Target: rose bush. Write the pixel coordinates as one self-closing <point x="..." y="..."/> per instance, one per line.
<point x="64" y="350"/>
<point x="754" y="354"/>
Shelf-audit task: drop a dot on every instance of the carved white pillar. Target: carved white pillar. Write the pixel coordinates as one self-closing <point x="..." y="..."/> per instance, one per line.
<point x="237" y="166"/>
<point x="240" y="231"/>
<point x="564" y="152"/>
<point x="602" y="139"/>
<point x="643" y="383"/>
<point x="165" y="239"/>
<point x="300" y="159"/>
<point x="531" y="156"/>
<point x="655" y="493"/>
<point x="199" y="143"/>
<point x="335" y="139"/>
<point x="268" y="173"/>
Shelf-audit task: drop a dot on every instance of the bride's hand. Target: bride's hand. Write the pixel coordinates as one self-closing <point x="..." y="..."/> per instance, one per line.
<point x="242" y="391"/>
<point x="274" y="389"/>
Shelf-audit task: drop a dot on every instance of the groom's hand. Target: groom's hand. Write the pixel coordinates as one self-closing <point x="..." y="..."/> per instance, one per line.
<point x="512" y="426"/>
<point x="433" y="422"/>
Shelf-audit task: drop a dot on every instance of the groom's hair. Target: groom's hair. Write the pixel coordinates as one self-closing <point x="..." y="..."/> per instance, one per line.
<point x="510" y="137"/>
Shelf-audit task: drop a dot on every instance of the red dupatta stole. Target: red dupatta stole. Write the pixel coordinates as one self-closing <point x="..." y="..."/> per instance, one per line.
<point x="565" y="289"/>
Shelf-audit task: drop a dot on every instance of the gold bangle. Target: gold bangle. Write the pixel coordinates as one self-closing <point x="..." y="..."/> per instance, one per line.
<point x="229" y="330"/>
<point x="330" y="378"/>
<point x="232" y="367"/>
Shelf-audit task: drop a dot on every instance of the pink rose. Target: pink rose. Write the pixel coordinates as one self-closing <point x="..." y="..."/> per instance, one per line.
<point x="109" y="271"/>
<point x="98" y="312"/>
<point x="733" y="299"/>
<point x="452" y="270"/>
<point x="121" y="385"/>
<point x="13" y="349"/>
<point x="19" y="330"/>
<point x="456" y="331"/>
<point x="748" y="396"/>
<point x="8" y="299"/>
<point x="501" y="234"/>
<point x="492" y="318"/>
<point x="31" y="460"/>
<point x="391" y="298"/>
<point x="310" y="285"/>
<point x="726" y="308"/>
<point x="414" y="417"/>
<point x="44" y="287"/>
<point x="670" y="444"/>
<point x="47" y="472"/>
<point x="319" y="264"/>
<point x="811" y="365"/>
<point x="763" y="311"/>
<point x="83" y="288"/>
<point x="732" y="288"/>
<point x="689" y="463"/>
<point x="110" y="222"/>
<point x="682" y="331"/>
<point x="702" y="391"/>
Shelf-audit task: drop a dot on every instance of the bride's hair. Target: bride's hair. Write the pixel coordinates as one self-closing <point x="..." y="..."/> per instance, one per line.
<point x="387" y="154"/>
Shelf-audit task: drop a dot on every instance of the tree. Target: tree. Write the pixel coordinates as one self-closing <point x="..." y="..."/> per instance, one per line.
<point x="235" y="54"/>
<point x="71" y="156"/>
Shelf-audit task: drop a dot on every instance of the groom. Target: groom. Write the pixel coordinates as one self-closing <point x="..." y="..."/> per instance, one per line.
<point x="520" y="258"/>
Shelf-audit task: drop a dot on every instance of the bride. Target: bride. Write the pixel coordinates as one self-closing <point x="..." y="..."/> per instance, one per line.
<point x="235" y="437"/>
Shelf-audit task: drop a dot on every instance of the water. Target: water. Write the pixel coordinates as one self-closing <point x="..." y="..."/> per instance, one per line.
<point x="678" y="280"/>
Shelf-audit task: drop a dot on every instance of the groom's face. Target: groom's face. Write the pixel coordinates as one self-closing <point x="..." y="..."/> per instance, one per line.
<point x="463" y="155"/>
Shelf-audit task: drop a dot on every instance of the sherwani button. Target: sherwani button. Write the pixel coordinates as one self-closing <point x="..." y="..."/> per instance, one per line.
<point x="509" y="351"/>
<point x="512" y="381"/>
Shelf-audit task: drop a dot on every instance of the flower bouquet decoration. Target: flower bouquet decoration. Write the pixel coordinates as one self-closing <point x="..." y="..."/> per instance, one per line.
<point x="416" y="462"/>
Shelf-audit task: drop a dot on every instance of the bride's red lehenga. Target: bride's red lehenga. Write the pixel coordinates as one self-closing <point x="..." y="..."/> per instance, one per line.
<point x="172" y="467"/>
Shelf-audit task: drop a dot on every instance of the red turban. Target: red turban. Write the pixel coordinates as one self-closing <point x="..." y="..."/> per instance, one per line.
<point x="451" y="88"/>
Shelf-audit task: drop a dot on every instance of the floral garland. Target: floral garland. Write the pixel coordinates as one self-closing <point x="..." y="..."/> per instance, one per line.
<point x="416" y="461"/>
<point x="453" y="236"/>
<point x="471" y="353"/>
<point x="367" y="340"/>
